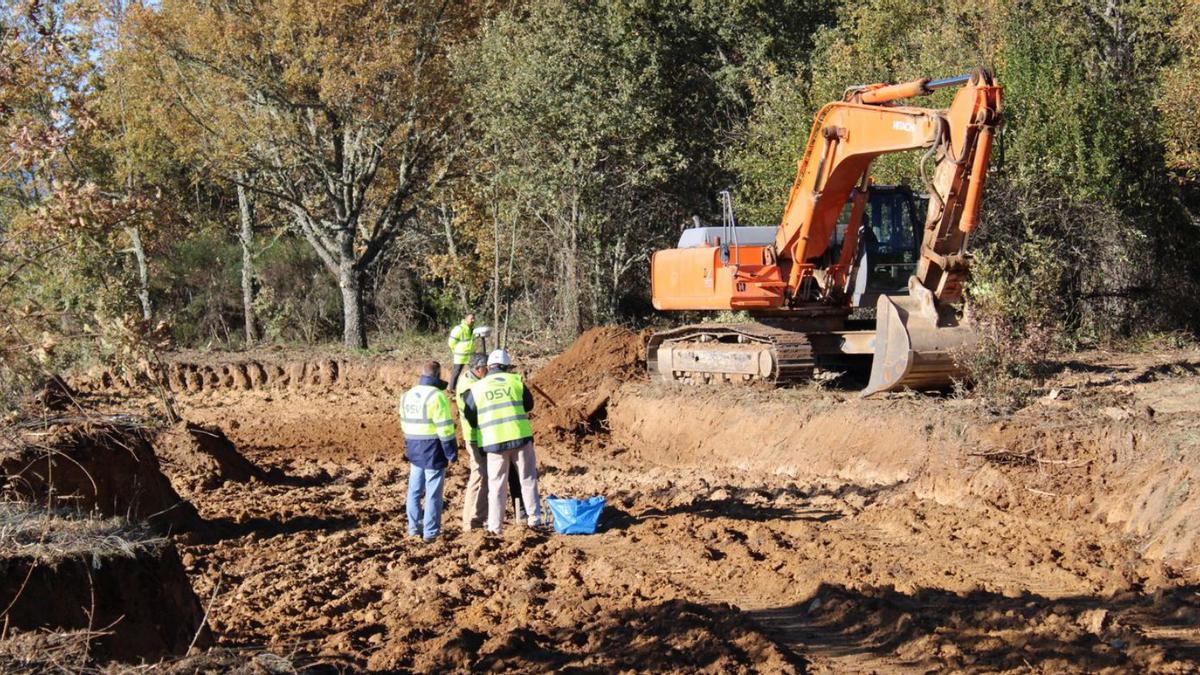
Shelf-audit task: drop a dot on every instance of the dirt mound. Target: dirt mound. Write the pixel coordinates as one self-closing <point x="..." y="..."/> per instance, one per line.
<point x="106" y="465"/>
<point x="113" y="579"/>
<point x="580" y="381"/>
<point x="197" y="457"/>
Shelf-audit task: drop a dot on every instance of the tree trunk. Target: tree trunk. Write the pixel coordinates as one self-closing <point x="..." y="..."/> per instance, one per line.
<point x="570" y="273"/>
<point x="354" y="331"/>
<point x="496" y="271"/>
<point x="246" y="237"/>
<point x="139" y="254"/>
<point x="447" y="218"/>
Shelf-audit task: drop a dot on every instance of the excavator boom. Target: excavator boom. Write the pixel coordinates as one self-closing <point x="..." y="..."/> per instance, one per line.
<point x="796" y="276"/>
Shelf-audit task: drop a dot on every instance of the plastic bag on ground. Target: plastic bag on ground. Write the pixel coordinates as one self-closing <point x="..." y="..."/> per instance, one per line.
<point x="575" y="516"/>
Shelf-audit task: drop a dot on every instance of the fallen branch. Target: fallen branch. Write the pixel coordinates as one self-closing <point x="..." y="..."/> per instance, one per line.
<point x="204" y="621"/>
<point x="1042" y="492"/>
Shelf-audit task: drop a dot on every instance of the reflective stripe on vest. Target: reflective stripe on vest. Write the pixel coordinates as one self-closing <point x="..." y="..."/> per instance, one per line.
<point x="415" y="420"/>
<point x="465" y="380"/>
<point x="500" y="409"/>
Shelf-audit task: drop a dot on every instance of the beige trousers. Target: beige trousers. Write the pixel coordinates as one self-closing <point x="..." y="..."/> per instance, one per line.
<point x="475" y="497"/>
<point x="497" y="471"/>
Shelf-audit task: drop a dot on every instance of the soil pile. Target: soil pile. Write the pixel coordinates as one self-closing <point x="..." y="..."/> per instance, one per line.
<point x="70" y="573"/>
<point x="197" y="457"/>
<point x="105" y="465"/>
<point x="581" y="380"/>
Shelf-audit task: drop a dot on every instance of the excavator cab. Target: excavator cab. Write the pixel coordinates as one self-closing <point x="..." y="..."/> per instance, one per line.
<point x="889" y="243"/>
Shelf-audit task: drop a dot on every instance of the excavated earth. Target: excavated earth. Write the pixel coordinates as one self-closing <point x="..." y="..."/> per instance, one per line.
<point x="748" y="530"/>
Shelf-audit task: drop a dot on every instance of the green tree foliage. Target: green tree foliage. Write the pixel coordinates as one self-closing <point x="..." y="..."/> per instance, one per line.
<point x="66" y="291"/>
<point x="876" y="41"/>
<point x="600" y="125"/>
<point x="1081" y="137"/>
<point x="420" y="159"/>
<point x="1179" y="88"/>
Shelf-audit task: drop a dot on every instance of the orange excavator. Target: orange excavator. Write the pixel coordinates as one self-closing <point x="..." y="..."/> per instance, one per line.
<point x="801" y="281"/>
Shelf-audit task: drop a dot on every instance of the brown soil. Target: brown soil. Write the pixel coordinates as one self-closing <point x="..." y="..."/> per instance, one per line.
<point x="574" y="388"/>
<point x="140" y="606"/>
<point x="747" y="530"/>
<point x="106" y="465"/>
<point x="196" y="458"/>
<point x="106" y="587"/>
<point x="187" y="377"/>
<point x="52" y="394"/>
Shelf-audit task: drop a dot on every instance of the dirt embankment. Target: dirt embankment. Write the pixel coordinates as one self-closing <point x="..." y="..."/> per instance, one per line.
<point x="138" y="601"/>
<point x="780" y="431"/>
<point x="199" y="457"/>
<point x="387" y="375"/>
<point x="85" y="507"/>
<point x="1126" y="453"/>
<point x="107" y="466"/>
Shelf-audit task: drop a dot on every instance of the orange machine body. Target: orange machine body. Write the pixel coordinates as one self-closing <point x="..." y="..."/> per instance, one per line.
<point x="796" y="274"/>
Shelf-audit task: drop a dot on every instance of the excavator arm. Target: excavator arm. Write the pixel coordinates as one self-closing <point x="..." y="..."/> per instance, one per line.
<point x="794" y="278"/>
<point x="849" y="135"/>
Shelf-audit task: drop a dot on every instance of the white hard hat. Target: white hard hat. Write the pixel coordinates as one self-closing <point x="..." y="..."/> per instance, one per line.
<point x="499" y="358"/>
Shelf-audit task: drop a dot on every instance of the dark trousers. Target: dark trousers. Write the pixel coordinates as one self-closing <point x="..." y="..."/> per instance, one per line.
<point x="454" y="373"/>
<point x="514" y="490"/>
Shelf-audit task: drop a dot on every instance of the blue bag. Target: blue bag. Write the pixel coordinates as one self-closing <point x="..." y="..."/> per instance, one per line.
<point x="575" y="516"/>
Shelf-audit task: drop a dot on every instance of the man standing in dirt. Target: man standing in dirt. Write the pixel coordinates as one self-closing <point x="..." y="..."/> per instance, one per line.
<point x="428" y="426"/>
<point x="462" y="346"/>
<point x="499" y="405"/>
<point x="475" y="495"/>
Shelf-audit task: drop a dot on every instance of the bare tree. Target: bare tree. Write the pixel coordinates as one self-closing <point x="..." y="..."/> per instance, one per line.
<point x="344" y="112"/>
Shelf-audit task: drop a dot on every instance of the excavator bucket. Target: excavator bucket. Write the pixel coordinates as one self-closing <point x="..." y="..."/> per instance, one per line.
<point x="915" y="342"/>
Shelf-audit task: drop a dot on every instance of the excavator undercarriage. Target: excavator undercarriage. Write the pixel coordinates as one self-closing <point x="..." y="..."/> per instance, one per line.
<point x="911" y="344"/>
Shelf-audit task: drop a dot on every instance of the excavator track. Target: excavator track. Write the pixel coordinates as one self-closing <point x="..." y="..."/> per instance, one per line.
<point x="708" y="353"/>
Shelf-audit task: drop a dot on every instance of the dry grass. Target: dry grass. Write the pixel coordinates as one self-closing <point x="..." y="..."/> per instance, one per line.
<point x="29" y="531"/>
<point x="63" y="651"/>
<point x="47" y="652"/>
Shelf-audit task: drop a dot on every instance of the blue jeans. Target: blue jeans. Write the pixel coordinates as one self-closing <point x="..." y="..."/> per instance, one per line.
<point x="430" y="482"/>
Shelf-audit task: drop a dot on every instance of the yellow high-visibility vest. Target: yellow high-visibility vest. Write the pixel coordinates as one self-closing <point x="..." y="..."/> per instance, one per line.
<point x="425" y="414"/>
<point x="500" y="409"/>
<point x="462" y="344"/>
<point x="465" y="380"/>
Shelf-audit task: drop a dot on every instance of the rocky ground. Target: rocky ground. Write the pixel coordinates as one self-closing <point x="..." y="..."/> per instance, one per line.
<point x="748" y="530"/>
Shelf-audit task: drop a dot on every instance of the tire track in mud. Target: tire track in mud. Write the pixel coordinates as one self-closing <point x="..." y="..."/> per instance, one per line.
<point x="853" y="587"/>
<point x="193" y="378"/>
<point x="789" y="625"/>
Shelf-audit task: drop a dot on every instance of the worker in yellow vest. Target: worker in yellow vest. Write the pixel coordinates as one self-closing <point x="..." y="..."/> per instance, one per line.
<point x="462" y="346"/>
<point x="475" y="494"/>
<point x="429" y="444"/>
<point x="499" y="405"/>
